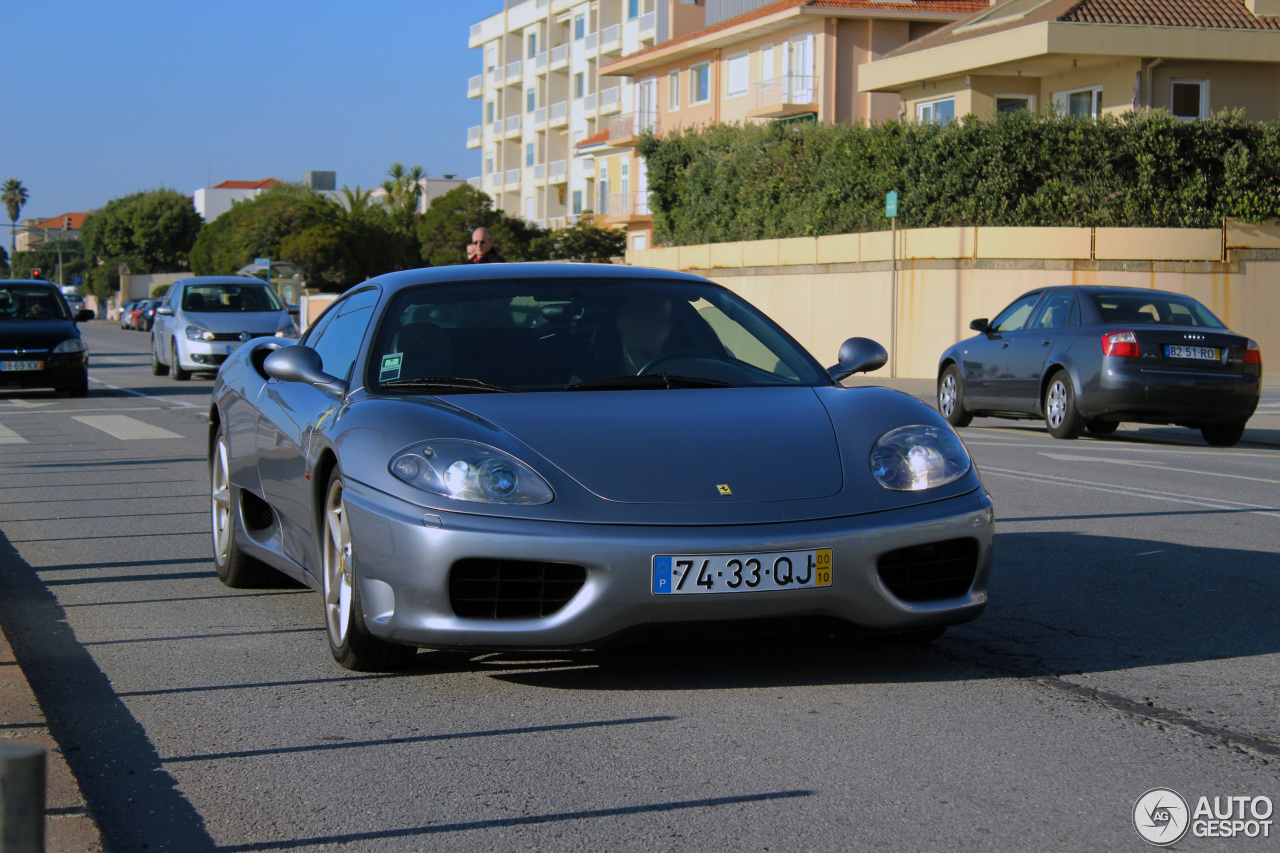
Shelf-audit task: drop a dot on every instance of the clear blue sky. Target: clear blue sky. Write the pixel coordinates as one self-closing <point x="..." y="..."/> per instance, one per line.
<point x="101" y="99"/>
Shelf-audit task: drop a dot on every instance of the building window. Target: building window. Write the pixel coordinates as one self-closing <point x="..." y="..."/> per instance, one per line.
<point x="1013" y="103"/>
<point x="936" y="112"/>
<point x="700" y="84"/>
<point x="633" y="9"/>
<point x="1189" y="99"/>
<point x="639" y="242"/>
<point x="488" y="165"/>
<point x="580" y="84"/>
<point x="530" y="153"/>
<point x="531" y="100"/>
<point x="1081" y="103"/>
<point x="766" y="62"/>
<point x="579" y="26"/>
<point x="533" y="46"/>
<point x="577" y="202"/>
<point x="531" y="208"/>
<point x="491" y="58"/>
<point x="737" y="75"/>
<point x="626" y="177"/>
<point x="490" y="112"/>
<point x="673" y="90"/>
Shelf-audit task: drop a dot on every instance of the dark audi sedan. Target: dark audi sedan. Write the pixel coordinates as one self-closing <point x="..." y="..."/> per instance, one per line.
<point x="1095" y="357"/>
<point x="40" y="345"/>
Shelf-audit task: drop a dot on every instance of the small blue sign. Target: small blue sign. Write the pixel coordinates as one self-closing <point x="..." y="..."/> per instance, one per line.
<point x="891" y="203"/>
<point x="76" y="281"/>
<point x="661" y="575"/>
<point x="262" y="262"/>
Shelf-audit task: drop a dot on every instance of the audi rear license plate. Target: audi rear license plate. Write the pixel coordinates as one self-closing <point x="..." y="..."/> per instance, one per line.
<point x="1182" y="351"/>
<point x="21" y="365"/>
<point x="687" y="574"/>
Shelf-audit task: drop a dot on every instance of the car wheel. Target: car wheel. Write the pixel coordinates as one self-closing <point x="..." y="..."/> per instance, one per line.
<point x="1222" y="435"/>
<point x="236" y="569"/>
<point x="352" y="645"/>
<point x="951" y="398"/>
<point x="158" y="368"/>
<point x="1060" y="413"/>
<point x="80" y="389"/>
<point x="178" y="373"/>
<point x="1097" y="426"/>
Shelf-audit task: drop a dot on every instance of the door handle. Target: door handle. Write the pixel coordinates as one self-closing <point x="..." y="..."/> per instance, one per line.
<point x="1046" y="343"/>
<point x="1004" y="345"/>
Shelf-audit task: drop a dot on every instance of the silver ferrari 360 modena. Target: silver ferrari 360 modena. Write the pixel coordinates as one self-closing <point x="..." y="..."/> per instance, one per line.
<point x="552" y="455"/>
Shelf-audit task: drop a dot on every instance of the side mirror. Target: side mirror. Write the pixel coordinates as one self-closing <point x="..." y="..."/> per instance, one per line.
<point x="165" y="310"/>
<point x="84" y="314"/>
<point x="980" y="325"/>
<point x="858" y="355"/>
<point x="298" y="363"/>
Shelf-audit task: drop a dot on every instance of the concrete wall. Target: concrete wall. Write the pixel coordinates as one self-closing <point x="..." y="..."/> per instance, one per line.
<point x="826" y="289"/>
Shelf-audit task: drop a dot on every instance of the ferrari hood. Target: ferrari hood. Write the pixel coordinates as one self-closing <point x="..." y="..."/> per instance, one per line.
<point x="681" y="446"/>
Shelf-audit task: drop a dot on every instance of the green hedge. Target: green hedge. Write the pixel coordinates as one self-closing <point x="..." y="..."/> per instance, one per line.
<point x="725" y="183"/>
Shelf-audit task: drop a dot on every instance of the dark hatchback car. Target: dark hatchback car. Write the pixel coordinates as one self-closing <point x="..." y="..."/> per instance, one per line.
<point x="1095" y="357"/>
<point x="40" y="345"/>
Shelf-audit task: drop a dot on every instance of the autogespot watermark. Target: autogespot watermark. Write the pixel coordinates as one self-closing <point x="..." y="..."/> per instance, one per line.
<point x="1162" y="817"/>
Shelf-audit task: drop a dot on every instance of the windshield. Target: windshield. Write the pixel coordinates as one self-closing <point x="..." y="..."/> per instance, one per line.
<point x="224" y="298"/>
<point x="30" y="302"/>
<point x="1157" y="309"/>
<point x="581" y="335"/>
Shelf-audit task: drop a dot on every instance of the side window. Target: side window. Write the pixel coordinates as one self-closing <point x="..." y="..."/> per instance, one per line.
<point x="1015" y="316"/>
<point x="1075" y="314"/>
<point x="1053" y="312"/>
<point x="338" y="341"/>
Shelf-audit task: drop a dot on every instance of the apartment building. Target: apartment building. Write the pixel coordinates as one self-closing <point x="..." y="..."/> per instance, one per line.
<point x="1092" y="57"/>
<point x="33" y="232"/>
<point x="540" y="93"/>
<point x="786" y="60"/>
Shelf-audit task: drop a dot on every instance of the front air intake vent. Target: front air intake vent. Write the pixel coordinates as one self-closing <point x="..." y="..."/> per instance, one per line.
<point x="933" y="572"/>
<point x="512" y="589"/>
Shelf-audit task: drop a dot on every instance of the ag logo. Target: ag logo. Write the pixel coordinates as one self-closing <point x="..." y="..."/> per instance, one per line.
<point x="1161" y="817"/>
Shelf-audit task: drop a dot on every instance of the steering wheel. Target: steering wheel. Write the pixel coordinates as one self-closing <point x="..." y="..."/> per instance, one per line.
<point x="661" y="357"/>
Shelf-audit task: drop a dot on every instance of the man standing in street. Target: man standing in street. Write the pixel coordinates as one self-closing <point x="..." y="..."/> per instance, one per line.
<point x="480" y="250"/>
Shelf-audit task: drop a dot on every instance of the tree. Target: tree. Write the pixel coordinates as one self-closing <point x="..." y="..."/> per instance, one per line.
<point x="14" y="196"/>
<point x="584" y="241"/>
<point x="44" y="257"/>
<point x="4" y="262"/>
<point x="156" y="228"/>
<point x="446" y="229"/>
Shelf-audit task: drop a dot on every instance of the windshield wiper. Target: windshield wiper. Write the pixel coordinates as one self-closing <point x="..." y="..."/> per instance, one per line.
<point x="648" y="380"/>
<point x="450" y="384"/>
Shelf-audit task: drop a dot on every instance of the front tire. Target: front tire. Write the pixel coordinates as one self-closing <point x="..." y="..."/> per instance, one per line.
<point x="236" y="569"/>
<point x="350" y="642"/>
<point x="158" y="368"/>
<point x="178" y="373"/>
<point x="1060" y="414"/>
<point x="1223" y="435"/>
<point x="951" y="398"/>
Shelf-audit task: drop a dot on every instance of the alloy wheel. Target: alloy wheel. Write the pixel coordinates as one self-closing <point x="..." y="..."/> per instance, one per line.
<point x="947" y="396"/>
<point x="1056" y="404"/>
<point x="220" y="488"/>
<point x="337" y="566"/>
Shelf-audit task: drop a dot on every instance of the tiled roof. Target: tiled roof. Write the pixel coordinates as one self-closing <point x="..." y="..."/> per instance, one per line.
<point x="1216" y="14"/>
<point x="955" y="7"/>
<point x="77" y="221"/>
<point x="247" y="185"/>
<point x="594" y="139"/>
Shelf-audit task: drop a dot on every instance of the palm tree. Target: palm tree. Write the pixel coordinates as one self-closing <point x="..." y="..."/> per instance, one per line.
<point x="404" y="188"/>
<point x="14" y="197"/>
<point x="358" y="202"/>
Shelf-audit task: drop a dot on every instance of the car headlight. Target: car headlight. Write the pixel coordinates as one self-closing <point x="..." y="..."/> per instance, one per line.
<point x="70" y="345"/>
<point x="916" y="457"/>
<point x="195" y="333"/>
<point x="470" y="471"/>
<point x="289" y="331"/>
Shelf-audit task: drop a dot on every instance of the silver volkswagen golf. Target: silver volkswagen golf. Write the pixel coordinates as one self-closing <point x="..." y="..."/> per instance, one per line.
<point x="546" y="456"/>
<point x="203" y="320"/>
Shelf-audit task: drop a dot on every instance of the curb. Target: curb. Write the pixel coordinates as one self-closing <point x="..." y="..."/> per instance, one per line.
<point x="69" y="825"/>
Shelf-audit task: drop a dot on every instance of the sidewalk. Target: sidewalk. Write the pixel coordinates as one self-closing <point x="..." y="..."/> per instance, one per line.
<point x="70" y="827"/>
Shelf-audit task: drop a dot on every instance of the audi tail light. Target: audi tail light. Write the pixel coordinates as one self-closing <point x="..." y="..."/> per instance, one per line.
<point x="1253" y="354"/>
<point x="1123" y="344"/>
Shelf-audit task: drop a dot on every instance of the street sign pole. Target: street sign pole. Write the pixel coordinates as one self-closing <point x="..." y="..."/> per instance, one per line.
<point x="267" y="263"/>
<point x="891" y="211"/>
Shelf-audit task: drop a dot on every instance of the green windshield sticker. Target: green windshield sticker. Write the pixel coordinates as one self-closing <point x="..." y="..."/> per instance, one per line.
<point x="390" y="367"/>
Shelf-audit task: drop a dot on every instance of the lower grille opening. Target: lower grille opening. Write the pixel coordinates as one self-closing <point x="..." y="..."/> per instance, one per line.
<point x="933" y="572"/>
<point x="512" y="589"/>
<point x="256" y="512"/>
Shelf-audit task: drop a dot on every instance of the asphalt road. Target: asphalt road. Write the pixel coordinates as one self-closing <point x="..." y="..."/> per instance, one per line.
<point x="1132" y="641"/>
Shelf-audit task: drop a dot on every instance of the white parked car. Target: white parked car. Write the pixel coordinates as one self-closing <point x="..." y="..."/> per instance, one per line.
<point x="203" y="320"/>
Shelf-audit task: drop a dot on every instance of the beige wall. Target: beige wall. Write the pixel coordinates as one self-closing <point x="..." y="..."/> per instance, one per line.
<point x="1251" y="86"/>
<point x="828" y="289"/>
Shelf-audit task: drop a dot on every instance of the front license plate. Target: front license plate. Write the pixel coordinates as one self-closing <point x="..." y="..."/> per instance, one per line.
<point x="1179" y="351"/>
<point x="681" y="574"/>
<point x="21" y="365"/>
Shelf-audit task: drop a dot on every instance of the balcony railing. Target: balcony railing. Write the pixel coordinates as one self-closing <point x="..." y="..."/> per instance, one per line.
<point x="475" y="85"/>
<point x="540" y="60"/>
<point x="648" y="22"/>
<point x="559" y="113"/>
<point x="539" y="171"/>
<point x="558" y="169"/>
<point x="559" y="55"/>
<point x="789" y="89"/>
<point x="476" y="30"/>
<point x="513" y="177"/>
<point x="539" y="116"/>
<point x="473" y="136"/>
<point x="515" y="70"/>
<point x="495" y="128"/>
<point x="611" y="38"/>
<point x="513" y="123"/>
<point x="611" y="99"/>
<point x="633" y="124"/>
<point x="589" y="103"/>
<point x="629" y="204"/>
<point x="475" y="182"/>
<point x="591" y="41"/>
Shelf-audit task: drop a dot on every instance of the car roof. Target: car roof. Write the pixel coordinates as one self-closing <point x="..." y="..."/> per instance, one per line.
<point x="38" y="281"/>
<point x="585" y="273"/>
<point x="220" y="279"/>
